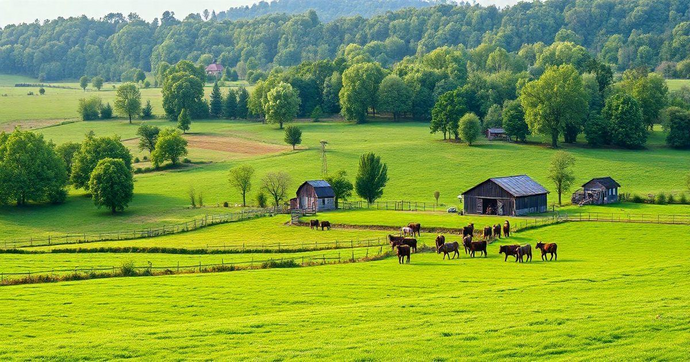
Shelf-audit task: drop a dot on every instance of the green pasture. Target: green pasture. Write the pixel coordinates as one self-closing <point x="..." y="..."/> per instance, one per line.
<point x="676" y="84"/>
<point x="617" y="292"/>
<point x="418" y="164"/>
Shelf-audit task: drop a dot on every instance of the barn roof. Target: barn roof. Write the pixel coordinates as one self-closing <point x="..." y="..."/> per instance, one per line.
<point x="321" y="187"/>
<point x="214" y="67"/>
<point x="518" y="186"/>
<point x="607" y="182"/>
<point x="496" y="130"/>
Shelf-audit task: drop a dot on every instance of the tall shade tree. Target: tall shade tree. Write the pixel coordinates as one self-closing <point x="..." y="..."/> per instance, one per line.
<point x="182" y="90"/>
<point x="112" y="184"/>
<point x="623" y="114"/>
<point x="554" y="101"/>
<point x="241" y="179"/>
<point x="66" y="152"/>
<point x="216" y="109"/>
<point x="650" y="91"/>
<point x="342" y="187"/>
<point x="184" y="121"/>
<point x="678" y="126"/>
<point x="394" y="96"/>
<point x="282" y="104"/>
<point x="148" y="136"/>
<point x="561" y="172"/>
<point x="514" y="121"/>
<point x="30" y="170"/>
<point x="97" y="82"/>
<point x="170" y="146"/>
<point x="372" y="177"/>
<point x="359" y="90"/>
<point x="94" y="149"/>
<point x="447" y="112"/>
<point x="276" y="185"/>
<point x="90" y="108"/>
<point x="128" y="100"/>
<point x="230" y="105"/>
<point x="83" y="82"/>
<point x="470" y="128"/>
<point x="293" y="136"/>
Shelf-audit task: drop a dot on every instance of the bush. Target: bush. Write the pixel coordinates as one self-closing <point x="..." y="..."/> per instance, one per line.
<point x="136" y="160"/>
<point x="671" y="199"/>
<point x="107" y="111"/>
<point x="261" y="199"/>
<point x="660" y="199"/>
<point x="127" y="269"/>
<point x="89" y="109"/>
<point x="186" y="160"/>
<point x="42" y="91"/>
<point x="146" y="158"/>
<point x="225" y="204"/>
<point x="138" y="170"/>
<point x="683" y="199"/>
<point x="637" y="199"/>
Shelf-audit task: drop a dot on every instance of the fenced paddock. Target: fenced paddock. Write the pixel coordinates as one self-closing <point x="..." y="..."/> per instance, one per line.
<point x="401" y="205"/>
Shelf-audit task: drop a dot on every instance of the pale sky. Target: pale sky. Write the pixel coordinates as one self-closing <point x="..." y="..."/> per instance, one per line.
<point x="26" y="11"/>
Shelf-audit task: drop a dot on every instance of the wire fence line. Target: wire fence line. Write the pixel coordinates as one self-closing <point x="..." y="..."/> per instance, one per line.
<point x="88" y="237"/>
<point x="399" y="205"/>
<point x="301" y="245"/>
<point x="324" y="258"/>
<point x="628" y="218"/>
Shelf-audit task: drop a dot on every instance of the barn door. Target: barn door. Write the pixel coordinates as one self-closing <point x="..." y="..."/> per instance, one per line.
<point x="499" y="207"/>
<point x="480" y="206"/>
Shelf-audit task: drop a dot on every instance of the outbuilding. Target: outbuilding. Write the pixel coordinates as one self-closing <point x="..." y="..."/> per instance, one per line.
<point x="314" y="196"/>
<point x="597" y="191"/>
<point x="214" y="69"/>
<point x="496" y="134"/>
<point x="513" y="196"/>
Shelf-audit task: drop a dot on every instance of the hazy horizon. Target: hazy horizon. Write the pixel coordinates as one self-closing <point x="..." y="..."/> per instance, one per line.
<point x="27" y="11"/>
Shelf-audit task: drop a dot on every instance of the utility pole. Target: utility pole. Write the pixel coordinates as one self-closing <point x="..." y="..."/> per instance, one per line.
<point x="324" y="163"/>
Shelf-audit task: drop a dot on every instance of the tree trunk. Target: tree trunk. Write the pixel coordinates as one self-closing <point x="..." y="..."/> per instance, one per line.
<point x="130" y="119"/>
<point x="281" y="124"/>
<point x="560" y="192"/>
<point x="113" y="209"/>
<point x="293" y="147"/>
<point x="244" y="198"/>
<point x="554" y="139"/>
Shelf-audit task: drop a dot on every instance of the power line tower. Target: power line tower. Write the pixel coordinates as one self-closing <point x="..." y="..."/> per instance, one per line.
<point x="324" y="162"/>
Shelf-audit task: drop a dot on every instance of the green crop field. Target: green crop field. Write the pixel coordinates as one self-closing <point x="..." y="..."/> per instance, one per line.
<point x="617" y="292"/>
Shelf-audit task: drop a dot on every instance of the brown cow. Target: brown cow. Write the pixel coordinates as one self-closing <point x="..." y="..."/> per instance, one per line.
<point x="497" y="231"/>
<point x="325" y="225"/>
<point x="468" y="230"/>
<point x="475" y="246"/>
<point x="416" y="228"/>
<point x="467" y="240"/>
<point x="524" y="251"/>
<point x="393" y="238"/>
<point x="313" y="224"/>
<point x="509" y="250"/>
<point x="412" y="243"/>
<point x="548" y="248"/>
<point x="440" y="240"/>
<point x="506" y="229"/>
<point x="403" y="251"/>
<point x="487" y="232"/>
<point x="446" y="249"/>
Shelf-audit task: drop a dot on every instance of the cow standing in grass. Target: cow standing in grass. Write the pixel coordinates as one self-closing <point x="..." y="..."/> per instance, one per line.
<point x="406" y="231"/>
<point x="497" y="231"/>
<point x="416" y="228"/>
<point x="475" y="246"/>
<point x="524" y="252"/>
<point x="325" y="225"/>
<point x="313" y="224"/>
<point x="509" y="250"/>
<point x="403" y="251"/>
<point x="440" y="240"/>
<point x="466" y="241"/>
<point x="506" y="229"/>
<point x="448" y="248"/>
<point x="548" y="248"/>
<point x="487" y="232"/>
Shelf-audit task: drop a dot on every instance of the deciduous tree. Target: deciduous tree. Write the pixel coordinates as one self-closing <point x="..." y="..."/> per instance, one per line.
<point x="394" y="96"/>
<point x="148" y="136"/>
<point x="561" y="173"/>
<point x="92" y="150"/>
<point x="282" y="104"/>
<point x="112" y="184"/>
<point x="241" y="179"/>
<point x="128" y="100"/>
<point x="625" y="117"/>
<point x="470" y="128"/>
<point x="372" y="177"/>
<point x="169" y="146"/>
<point x="276" y="185"/>
<point x="293" y="136"/>
<point x="183" y="121"/>
<point x="342" y="187"/>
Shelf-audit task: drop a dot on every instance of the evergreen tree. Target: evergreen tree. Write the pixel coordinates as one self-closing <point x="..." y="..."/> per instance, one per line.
<point x="230" y="105"/>
<point x="183" y="122"/>
<point x="216" y="109"/>
<point x="242" y="103"/>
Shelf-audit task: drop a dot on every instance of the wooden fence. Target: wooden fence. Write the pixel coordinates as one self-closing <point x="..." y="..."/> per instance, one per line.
<point x="194" y="224"/>
<point x="326" y="258"/>
<point x="305" y="246"/>
<point x="401" y="205"/>
<point x="628" y="218"/>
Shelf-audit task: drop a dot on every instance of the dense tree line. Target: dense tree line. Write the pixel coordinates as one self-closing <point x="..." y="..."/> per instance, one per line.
<point x="625" y="34"/>
<point x="327" y="10"/>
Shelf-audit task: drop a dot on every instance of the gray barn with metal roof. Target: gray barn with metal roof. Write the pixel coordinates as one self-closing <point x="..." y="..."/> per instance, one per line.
<point x="512" y="196"/>
<point x="316" y="195"/>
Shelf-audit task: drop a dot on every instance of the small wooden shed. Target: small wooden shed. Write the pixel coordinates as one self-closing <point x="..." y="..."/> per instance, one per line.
<point x="314" y="196"/>
<point x="496" y="134"/>
<point x="513" y="195"/>
<point x="597" y="191"/>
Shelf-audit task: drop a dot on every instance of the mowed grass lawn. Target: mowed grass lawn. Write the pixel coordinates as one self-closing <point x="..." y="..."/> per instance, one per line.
<point x="617" y="292"/>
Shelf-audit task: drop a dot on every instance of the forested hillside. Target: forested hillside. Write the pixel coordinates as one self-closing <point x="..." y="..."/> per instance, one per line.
<point x="627" y="34"/>
<point x="327" y="10"/>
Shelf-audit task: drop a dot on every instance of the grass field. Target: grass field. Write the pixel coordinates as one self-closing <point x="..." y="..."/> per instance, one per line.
<point x="617" y="292"/>
<point x="676" y="84"/>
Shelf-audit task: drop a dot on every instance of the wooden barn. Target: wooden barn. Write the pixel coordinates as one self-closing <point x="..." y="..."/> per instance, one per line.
<point x="496" y="134"/>
<point x="314" y="196"/>
<point x="597" y="191"/>
<point x="513" y="196"/>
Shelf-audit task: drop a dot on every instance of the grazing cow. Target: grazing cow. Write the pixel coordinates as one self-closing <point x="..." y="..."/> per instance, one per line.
<point x="524" y="251"/>
<point x="487" y="232"/>
<point x="406" y="231"/>
<point x="446" y="249"/>
<point x="468" y="230"/>
<point x="412" y="243"/>
<point x="466" y="241"/>
<point x="548" y="248"/>
<point x="497" y="231"/>
<point x="440" y="240"/>
<point x="479" y="246"/>
<point x="506" y="229"/>
<point x="394" y="238"/>
<point x="403" y="251"/>
<point x="313" y="224"/>
<point x="325" y="225"/>
<point x="509" y="250"/>
<point x="416" y="228"/>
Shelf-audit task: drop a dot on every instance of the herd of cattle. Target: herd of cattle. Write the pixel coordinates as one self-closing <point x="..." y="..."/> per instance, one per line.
<point x="406" y="245"/>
